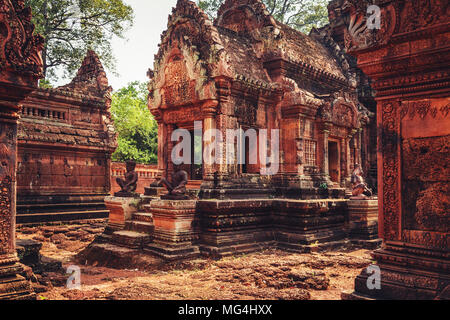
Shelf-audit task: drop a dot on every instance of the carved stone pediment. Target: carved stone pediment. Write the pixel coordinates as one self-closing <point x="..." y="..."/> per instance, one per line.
<point x="190" y="57"/>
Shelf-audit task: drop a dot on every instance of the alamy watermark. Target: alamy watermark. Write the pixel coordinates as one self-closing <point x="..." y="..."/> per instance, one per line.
<point x="240" y="147"/>
<point x="374" y="279"/>
<point x="374" y="17"/>
<point x="74" y="280"/>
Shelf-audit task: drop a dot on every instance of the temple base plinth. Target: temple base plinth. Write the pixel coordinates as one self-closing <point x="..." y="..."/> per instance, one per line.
<point x="175" y="234"/>
<point x="363" y="223"/>
<point x="12" y="285"/>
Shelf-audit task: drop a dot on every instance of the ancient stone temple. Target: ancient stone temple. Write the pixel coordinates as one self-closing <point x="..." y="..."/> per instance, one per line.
<point x="248" y="74"/>
<point x="408" y="61"/>
<point x="20" y="66"/>
<point x="247" y="71"/>
<point x="65" y="141"/>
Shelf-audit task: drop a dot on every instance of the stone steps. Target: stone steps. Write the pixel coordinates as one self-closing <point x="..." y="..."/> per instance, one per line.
<point x="140" y="226"/>
<point x="63" y="216"/>
<point x="143" y="217"/>
<point x="60" y="209"/>
<point x="57" y="207"/>
<point x="131" y="239"/>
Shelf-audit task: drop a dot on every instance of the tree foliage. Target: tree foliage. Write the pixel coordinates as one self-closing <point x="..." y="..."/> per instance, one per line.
<point x="71" y="27"/>
<point x="302" y="15"/>
<point x="138" y="130"/>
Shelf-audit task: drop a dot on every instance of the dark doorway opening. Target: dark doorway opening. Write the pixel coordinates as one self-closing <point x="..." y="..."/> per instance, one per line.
<point x="333" y="161"/>
<point x="195" y="171"/>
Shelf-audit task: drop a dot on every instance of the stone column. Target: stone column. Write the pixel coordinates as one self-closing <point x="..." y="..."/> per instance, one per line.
<point x="349" y="165"/>
<point x="12" y="286"/>
<point x="359" y="148"/>
<point x="325" y="160"/>
<point x="169" y="147"/>
<point x="20" y="67"/>
<point x="209" y="123"/>
<point x="344" y="160"/>
<point x="407" y="61"/>
<point x="162" y="145"/>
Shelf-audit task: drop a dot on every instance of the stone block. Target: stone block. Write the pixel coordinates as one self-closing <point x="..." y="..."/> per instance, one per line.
<point x="235" y="226"/>
<point x="120" y="210"/>
<point x="363" y="223"/>
<point x="176" y="230"/>
<point x="310" y="225"/>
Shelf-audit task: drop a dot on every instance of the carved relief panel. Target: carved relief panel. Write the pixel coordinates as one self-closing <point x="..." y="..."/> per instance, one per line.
<point x="426" y="171"/>
<point x="178" y="89"/>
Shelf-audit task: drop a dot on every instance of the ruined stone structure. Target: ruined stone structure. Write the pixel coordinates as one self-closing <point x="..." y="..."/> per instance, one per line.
<point x="408" y="61"/>
<point x="20" y="68"/>
<point x="65" y="140"/>
<point x="247" y="71"/>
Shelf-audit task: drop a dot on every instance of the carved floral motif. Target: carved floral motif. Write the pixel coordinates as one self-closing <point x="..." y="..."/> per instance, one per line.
<point x="389" y="144"/>
<point x="418" y="14"/>
<point x="420" y="108"/>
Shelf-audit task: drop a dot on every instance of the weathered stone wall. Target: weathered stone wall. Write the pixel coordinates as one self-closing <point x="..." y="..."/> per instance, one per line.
<point x="65" y="141"/>
<point x="63" y="148"/>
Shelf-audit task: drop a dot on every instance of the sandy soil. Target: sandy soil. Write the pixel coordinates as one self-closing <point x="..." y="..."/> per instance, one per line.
<point x="271" y="274"/>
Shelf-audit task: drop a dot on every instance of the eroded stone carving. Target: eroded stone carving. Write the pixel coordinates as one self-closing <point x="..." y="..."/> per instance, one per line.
<point x="177" y="185"/>
<point x="129" y="184"/>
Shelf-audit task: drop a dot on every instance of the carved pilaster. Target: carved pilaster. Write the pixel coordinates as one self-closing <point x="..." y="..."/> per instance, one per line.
<point x="389" y="170"/>
<point x="402" y="59"/>
<point x="209" y="110"/>
<point x="20" y="67"/>
<point x="326" y="164"/>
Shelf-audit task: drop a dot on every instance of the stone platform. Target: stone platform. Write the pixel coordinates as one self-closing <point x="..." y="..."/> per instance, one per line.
<point x="363" y="223"/>
<point x="176" y="231"/>
<point x="235" y="226"/>
<point x="310" y="225"/>
<point x="120" y="210"/>
<point x="427" y="276"/>
<point x="182" y="229"/>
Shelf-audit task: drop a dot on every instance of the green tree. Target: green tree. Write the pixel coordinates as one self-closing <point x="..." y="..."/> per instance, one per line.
<point x="138" y="130"/>
<point x="302" y="15"/>
<point x="71" y="27"/>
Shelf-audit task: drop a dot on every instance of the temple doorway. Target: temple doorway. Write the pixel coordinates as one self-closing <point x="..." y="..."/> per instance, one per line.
<point x="195" y="171"/>
<point x="333" y="161"/>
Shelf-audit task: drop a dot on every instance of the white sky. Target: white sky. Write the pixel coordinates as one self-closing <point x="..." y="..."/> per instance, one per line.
<point x="135" y="56"/>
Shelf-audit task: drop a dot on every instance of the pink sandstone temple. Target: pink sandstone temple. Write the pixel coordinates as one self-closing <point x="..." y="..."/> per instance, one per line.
<point x="347" y="101"/>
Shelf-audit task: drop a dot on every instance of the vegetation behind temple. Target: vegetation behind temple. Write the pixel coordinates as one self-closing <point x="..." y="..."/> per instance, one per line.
<point x="138" y="130"/>
<point x="71" y="27"/>
<point x="301" y="15"/>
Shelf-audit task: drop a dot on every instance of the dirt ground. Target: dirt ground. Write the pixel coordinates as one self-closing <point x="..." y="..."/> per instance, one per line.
<point x="271" y="274"/>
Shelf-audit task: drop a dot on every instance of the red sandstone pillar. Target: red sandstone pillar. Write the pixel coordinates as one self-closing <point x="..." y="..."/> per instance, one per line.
<point x="20" y="68"/>
<point x="162" y="145"/>
<point x="408" y="62"/>
<point x="326" y="164"/>
<point x="209" y="111"/>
